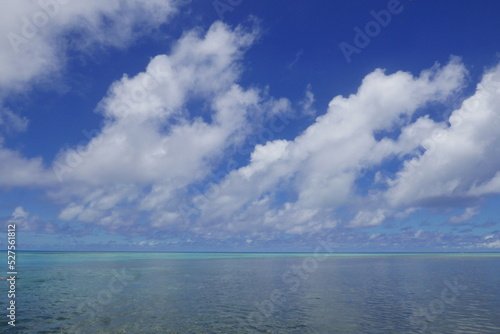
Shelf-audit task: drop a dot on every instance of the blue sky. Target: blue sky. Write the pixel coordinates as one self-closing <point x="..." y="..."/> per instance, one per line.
<point x="250" y="125"/>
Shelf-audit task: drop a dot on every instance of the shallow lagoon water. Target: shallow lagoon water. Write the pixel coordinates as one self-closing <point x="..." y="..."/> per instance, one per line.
<point x="114" y="292"/>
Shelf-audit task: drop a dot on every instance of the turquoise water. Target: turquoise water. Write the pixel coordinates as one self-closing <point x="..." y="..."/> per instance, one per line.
<point x="255" y="293"/>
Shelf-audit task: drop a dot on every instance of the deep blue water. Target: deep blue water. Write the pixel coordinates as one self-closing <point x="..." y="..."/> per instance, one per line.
<point x="255" y="293"/>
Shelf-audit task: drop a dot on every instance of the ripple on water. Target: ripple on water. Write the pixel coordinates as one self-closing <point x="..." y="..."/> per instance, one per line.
<point x="377" y="294"/>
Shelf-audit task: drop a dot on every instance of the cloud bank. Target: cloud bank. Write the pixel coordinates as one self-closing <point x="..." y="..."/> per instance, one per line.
<point x="169" y="157"/>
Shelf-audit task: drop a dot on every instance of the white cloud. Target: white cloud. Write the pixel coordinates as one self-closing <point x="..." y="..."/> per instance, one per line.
<point x="461" y="159"/>
<point x="170" y="127"/>
<point x="38" y="33"/>
<point x="154" y="146"/>
<point x="16" y="170"/>
<point x="307" y="103"/>
<point x="147" y="243"/>
<point x="19" y="213"/>
<point x="368" y="218"/>
<point x="11" y="122"/>
<point x="493" y="244"/>
<point x="26" y="222"/>
<point x="37" y="36"/>
<point x="320" y="166"/>
<point x="294" y="62"/>
<point x="468" y="214"/>
<point x="419" y="233"/>
<point x="150" y="135"/>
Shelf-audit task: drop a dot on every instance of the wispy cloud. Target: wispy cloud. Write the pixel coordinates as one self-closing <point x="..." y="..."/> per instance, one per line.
<point x="468" y="214"/>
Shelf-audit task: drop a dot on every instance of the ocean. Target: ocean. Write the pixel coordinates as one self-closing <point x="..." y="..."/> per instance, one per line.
<point x="125" y="292"/>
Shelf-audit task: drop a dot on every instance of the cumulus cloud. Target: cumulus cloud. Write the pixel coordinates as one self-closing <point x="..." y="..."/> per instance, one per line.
<point x="30" y="223"/>
<point x="166" y="154"/>
<point x="461" y="158"/>
<point x="318" y="169"/>
<point x="37" y="36"/>
<point x="154" y="145"/>
<point x="293" y="186"/>
<point x="38" y="33"/>
<point x="16" y="170"/>
<point x="27" y="221"/>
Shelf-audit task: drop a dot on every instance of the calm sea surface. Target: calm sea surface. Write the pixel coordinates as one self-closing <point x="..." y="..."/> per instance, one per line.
<point x="255" y="293"/>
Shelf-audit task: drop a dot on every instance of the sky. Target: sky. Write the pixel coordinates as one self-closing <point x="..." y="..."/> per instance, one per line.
<point x="237" y="125"/>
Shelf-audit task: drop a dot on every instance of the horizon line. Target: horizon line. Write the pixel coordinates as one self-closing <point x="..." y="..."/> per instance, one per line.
<point x="256" y="252"/>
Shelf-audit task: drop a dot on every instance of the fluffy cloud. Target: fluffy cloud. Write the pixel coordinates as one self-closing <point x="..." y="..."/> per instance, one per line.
<point x="461" y="159"/>
<point x="154" y="145"/>
<point x="16" y="170"/>
<point x="293" y="186"/>
<point x="165" y="155"/>
<point x="23" y="220"/>
<point x="38" y="33"/>
<point x="299" y="184"/>
<point x="37" y="36"/>
<point x="30" y="223"/>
